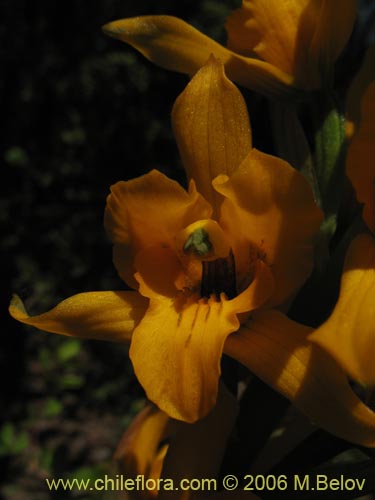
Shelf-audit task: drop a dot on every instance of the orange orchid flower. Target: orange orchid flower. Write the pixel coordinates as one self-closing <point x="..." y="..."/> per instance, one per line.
<point x="196" y="264"/>
<point x="273" y="47"/>
<point x="201" y="265"/>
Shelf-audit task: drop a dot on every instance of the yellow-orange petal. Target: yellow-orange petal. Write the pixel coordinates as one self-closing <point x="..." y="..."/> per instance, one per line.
<point x="92" y="315"/>
<point x="173" y="44"/>
<point x="196" y="450"/>
<point x="276" y="349"/>
<point x="275" y="31"/>
<point x="176" y="349"/>
<point x="212" y="128"/>
<point x="159" y="272"/>
<point x="270" y="206"/>
<point x="349" y="333"/>
<point x="295" y="36"/>
<point x="148" y="212"/>
<point x="141" y="450"/>
<point x="360" y="165"/>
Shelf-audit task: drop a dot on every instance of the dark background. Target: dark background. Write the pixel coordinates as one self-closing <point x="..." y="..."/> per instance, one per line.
<point x="79" y="111"/>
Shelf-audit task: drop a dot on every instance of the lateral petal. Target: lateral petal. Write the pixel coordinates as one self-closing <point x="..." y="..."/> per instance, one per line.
<point x="269" y="206"/>
<point x="173" y="44"/>
<point x="148" y="212"/>
<point x="349" y="333"/>
<point x="277" y="350"/>
<point x="212" y="128"/>
<point x="93" y="315"/>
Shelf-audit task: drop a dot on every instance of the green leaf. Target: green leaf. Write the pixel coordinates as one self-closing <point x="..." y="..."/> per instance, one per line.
<point x="52" y="407"/>
<point x="68" y="350"/>
<point x="16" y="156"/>
<point x="12" y="442"/>
<point x="71" y="381"/>
<point x="7" y="435"/>
<point x="330" y="149"/>
<point x="20" y="443"/>
<point x="46" y="459"/>
<point x="73" y="137"/>
<point x="45" y="358"/>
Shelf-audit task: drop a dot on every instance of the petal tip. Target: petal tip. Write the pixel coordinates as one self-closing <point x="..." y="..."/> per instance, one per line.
<point x="112" y="29"/>
<point x="126" y="29"/>
<point x="16" y="308"/>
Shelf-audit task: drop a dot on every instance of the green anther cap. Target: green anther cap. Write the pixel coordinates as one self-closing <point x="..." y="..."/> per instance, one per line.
<point x="198" y="243"/>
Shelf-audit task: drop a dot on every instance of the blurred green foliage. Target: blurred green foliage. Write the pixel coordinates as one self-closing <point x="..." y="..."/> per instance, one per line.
<point x="12" y="442"/>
